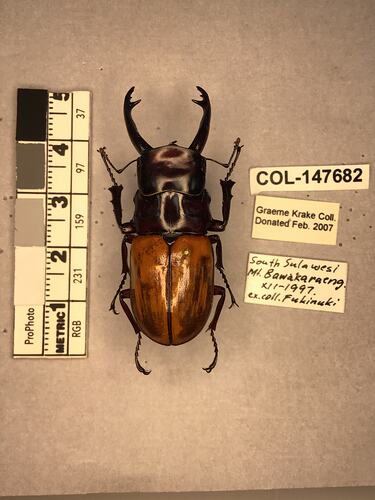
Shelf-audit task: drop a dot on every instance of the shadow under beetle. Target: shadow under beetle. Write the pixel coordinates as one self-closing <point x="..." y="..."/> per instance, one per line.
<point x="172" y="264"/>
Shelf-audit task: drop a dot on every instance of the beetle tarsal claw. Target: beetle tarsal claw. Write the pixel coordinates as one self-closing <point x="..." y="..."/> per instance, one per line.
<point x="233" y="303"/>
<point x="112" y="307"/>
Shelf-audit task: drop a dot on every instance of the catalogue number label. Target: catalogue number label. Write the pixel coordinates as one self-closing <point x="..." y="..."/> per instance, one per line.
<point x="312" y="178"/>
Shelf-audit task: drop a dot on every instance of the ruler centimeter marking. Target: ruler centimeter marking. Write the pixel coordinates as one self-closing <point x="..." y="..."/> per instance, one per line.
<point x="52" y="198"/>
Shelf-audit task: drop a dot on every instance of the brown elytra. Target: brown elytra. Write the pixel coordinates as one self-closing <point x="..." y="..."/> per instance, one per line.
<point x="171" y="286"/>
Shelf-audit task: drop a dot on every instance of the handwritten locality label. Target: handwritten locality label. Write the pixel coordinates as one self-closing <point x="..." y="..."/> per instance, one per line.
<point x="296" y="282"/>
<point x="312" y="178"/>
<point x="289" y="219"/>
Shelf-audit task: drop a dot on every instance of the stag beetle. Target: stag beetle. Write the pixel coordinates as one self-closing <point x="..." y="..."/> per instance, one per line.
<point x="171" y="259"/>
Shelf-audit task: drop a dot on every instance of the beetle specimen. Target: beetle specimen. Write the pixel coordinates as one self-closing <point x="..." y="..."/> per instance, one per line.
<point x="171" y="258"/>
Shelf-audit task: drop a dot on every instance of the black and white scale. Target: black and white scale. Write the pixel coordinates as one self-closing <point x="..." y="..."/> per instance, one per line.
<point x="51" y="227"/>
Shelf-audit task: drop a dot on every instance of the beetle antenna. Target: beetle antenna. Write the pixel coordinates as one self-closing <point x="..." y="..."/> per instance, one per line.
<point x="216" y="350"/>
<point x="137" y="363"/>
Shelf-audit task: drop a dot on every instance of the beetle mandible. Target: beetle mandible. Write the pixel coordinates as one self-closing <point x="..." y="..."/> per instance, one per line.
<point x="172" y="261"/>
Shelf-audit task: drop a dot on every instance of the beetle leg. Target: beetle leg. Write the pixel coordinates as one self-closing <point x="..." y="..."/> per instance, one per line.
<point x="219" y="225"/>
<point x="112" y="307"/>
<point x="218" y="290"/>
<point x="125" y="294"/>
<point x="214" y="238"/>
<point x="216" y="351"/>
<point x="137" y="363"/>
<point x="125" y="227"/>
<point x="226" y="188"/>
<point x="128" y="238"/>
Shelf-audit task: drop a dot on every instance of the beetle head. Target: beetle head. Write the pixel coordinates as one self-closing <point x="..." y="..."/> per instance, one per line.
<point x="141" y="145"/>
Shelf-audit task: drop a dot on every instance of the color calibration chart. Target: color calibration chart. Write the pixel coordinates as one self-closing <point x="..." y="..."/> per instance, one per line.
<point x="51" y="228"/>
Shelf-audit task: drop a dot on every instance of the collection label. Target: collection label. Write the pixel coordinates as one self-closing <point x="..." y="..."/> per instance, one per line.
<point x="296" y="282"/>
<point x="289" y="219"/>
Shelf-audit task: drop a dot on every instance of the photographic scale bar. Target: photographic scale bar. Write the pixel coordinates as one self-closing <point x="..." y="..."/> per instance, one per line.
<point x="51" y="229"/>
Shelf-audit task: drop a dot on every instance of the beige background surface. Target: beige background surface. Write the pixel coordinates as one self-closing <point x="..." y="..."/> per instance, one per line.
<point x="291" y="403"/>
<point x="348" y="493"/>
